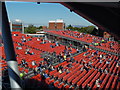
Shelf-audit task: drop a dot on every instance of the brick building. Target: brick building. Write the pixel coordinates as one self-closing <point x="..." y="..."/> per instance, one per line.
<point x="57" y="25"/>
<point x="44" y="27"/>
<point x="60" y="25"/>
<point x="52" y="25"/>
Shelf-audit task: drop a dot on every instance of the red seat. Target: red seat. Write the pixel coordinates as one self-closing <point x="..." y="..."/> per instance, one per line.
<point x="109" y="81"/>
<point x="74" y="81"/>
<point x="88" y="79"/>
<point x="114" y="82"/>
<point x="94" y="79"/>
<point x="73" y="76"/>
<point x="84" y="78"/>
<point x="104" y="81"/>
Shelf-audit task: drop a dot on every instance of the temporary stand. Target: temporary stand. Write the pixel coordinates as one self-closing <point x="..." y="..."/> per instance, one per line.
<point x="13" y="71"/>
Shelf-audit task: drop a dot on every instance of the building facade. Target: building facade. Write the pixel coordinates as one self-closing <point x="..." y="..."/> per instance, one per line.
<point x="57" y="25"/>
<point x="17" y="25"/>
<point x="60" y="25"/>
<point x="44" y="27"/>
<point x="52" y="25"/>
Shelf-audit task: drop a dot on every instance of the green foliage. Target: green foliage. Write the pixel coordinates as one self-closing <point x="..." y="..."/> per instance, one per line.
<point x="88" y="29"/>
<point x="40" y="27"/>
<point x="32" y="29"/>
<point x="69" y="27"/>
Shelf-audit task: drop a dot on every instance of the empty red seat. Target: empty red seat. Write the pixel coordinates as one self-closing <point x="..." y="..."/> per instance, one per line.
<point x="78" y="77"/>
<point x="88" y="79"/>
<point x="84" y="78"/>
<point x="109" y="81"/>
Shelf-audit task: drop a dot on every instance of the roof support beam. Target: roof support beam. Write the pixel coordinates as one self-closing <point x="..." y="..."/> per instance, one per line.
<point x="13" y="71"/>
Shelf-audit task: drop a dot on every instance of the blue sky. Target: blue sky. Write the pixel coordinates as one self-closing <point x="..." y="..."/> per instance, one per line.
<point x="40" y="14"/>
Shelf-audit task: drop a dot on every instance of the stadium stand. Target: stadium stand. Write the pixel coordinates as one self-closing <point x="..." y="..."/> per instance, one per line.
<point x="94" y="41"/>
<point x="91" y="69"/>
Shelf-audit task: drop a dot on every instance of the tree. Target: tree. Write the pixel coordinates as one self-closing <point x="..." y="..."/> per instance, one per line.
<point x="40" y="27"/>
<point x="30" y="29"/>
<point x="88" y="29"/>
<point x="69" y="27"/>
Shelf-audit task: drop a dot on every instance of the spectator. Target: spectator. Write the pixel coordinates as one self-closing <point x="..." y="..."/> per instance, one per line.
<point x="15" y="34"/>
<point x="39" y="68"/>
<point x="26" y="65"/>
<point x="54" y="53"/>
<point x="101" y="56"/>
<point x="95" y="53"/>
<point x="52" y="68"/>
<point x="90" y="63"/>
<point x="33" y="63"/>
<point x="45" y="59"/>
<point x="106" y="72"/>
<point x="99" y="69"/>
<point x="104" y="57"/>
<point x="69" y="65"/>
<point x="102" y="40"/>
<point x="45" y="75"/>
<point x="117" y="65"/>
<point x="18" y="48"/>
<point x="72" y="59"/>
<point x="60" y="71"/>
<point x="67" y="71"/>
<point x="92" y="54"/>
<point x="78" y="50"/>
<point x="38" y="39"/>
<point x="43" y="42"/>
<point x="56" y="43"/>
<point x="22" y="75"/>
<point x="23" y="62"/>
<point x="85" y="67"/>
<point x="51" y="46"/>
<point x="100" y="61"/>
<point x="23" y="40"/>
<point x="34" y="71"/>
<point x="107" y="62"/>
<point x="81" y="68"/>
<point x="97" y="83"/>
<point x="30" y="52"/>
<point x="60" y="67"/>
<point x="64" y="57"/>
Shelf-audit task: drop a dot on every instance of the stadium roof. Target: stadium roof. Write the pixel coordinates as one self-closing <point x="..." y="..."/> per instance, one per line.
<point x="104" y="15"/>
<point x="64" y="0"/>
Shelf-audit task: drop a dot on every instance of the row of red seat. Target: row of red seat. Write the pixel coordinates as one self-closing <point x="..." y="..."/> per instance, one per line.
<point x="89" y="39"/>
<point x="76" y="77"/>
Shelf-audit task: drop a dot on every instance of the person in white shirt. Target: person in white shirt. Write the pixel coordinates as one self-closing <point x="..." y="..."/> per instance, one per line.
<point x="38" y="39"/>
<point x="97" y="83"/>
<point x="33" y="63"/>
<point x="60" y="71"/>
<point x="100" y="61"/>
<point x="100" y="55"/>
